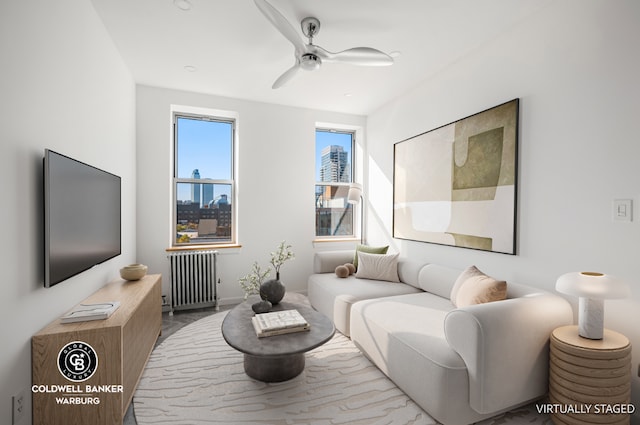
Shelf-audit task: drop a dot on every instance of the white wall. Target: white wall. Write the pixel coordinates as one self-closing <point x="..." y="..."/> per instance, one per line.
<point x="575" y="66"/>
<point x="63" y="87"/>
<point x="275" y="183"/>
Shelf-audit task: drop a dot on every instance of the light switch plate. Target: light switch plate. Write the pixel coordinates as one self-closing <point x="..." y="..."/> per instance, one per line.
<point x="622" y="210"/>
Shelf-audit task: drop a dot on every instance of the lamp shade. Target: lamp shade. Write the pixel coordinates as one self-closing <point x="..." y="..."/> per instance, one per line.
<point x="592" y="285"/>
<point x="355" y="192"/>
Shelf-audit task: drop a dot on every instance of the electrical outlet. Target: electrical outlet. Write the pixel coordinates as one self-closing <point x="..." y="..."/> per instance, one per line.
<point x="638" y="369"/>
<point x="19" y="406"/>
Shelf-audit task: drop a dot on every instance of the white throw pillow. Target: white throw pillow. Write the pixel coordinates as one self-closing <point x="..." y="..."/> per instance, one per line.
<point x="378" y="267"/>
<point x="475" y="287"/>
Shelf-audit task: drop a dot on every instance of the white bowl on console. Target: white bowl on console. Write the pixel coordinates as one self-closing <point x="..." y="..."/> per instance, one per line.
<point x="133" y="272"/>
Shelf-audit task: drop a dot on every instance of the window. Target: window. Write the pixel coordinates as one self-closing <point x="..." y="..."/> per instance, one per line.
<point x="204" y="178"/>
<point x="334" y="173"/>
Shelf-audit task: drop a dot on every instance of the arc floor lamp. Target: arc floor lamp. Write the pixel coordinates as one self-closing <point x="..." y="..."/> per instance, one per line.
<point x="355" y="197"/>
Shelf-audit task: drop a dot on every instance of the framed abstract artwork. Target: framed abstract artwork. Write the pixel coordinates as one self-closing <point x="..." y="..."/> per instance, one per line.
<point x="457" y="184"/>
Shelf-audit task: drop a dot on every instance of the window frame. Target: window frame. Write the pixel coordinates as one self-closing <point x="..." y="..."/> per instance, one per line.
<point x="209" y="116"/>
<point x="352" y="175"/>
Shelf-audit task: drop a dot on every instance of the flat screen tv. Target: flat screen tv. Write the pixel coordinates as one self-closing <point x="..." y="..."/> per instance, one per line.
<point x="82" y="217"/>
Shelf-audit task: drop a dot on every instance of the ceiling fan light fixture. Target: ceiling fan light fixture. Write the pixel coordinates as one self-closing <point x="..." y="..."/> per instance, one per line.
<point x="310" y="62"/>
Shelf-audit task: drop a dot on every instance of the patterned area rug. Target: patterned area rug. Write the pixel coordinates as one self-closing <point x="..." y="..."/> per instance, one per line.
<point x="194" y="377"/>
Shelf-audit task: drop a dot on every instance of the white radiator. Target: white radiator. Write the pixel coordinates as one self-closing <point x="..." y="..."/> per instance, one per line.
<point x="193" y="279"/>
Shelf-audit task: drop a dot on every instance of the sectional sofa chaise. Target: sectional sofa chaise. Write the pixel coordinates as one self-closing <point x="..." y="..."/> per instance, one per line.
<point x="461" y="364"/>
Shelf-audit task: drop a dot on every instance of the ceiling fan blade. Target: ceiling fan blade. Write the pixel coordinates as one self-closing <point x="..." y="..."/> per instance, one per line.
<point x="286" y="77"/>
<point x="362" y="56"/>
<point x="280" y="22"/>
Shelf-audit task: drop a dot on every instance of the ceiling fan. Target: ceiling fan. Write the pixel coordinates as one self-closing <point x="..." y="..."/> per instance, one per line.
<point x="309" y="56"/>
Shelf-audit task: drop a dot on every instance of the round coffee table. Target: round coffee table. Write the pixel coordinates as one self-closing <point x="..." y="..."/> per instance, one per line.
<point x="281" y="357"/>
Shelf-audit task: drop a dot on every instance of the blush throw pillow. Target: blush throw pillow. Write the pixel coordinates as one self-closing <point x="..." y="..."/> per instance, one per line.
<point x="378" y="267"/>
<point x="475" y="287"/>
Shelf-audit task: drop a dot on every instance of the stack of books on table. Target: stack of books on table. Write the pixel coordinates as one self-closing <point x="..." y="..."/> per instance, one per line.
<point x="279" y="322"/>
<point x="86" y="312"/>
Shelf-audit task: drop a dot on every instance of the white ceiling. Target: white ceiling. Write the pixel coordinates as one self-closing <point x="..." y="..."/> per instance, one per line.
<point x="238" y="53"/>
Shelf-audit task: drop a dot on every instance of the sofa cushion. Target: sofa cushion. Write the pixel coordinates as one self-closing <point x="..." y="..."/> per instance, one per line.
<point x="408" y="271"/>
<point x="404" y="336"/>
<point x="327" y="261"/>
<point x="369" y="250"/>
<point x="378" y="267"/>
<point x="474" y="287"/>
<point x="416" y="319"/>
<point x="334" y="297"/>
<point x="437" y="279"/>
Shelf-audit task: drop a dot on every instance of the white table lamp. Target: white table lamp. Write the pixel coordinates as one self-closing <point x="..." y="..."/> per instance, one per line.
<point x="592" y="288"/>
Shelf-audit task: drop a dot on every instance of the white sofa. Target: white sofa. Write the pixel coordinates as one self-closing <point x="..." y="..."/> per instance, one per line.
<point x="461" y="365"/>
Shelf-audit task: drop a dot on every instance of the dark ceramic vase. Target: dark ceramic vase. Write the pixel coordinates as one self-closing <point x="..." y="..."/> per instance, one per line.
<point x="272" y="290"/>
<point x="262" y="306"/>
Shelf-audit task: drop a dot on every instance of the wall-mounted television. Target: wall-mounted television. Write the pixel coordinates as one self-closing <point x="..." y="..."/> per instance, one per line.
<point x="82" y="217"/>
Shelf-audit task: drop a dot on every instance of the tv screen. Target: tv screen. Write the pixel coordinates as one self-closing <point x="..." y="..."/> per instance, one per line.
<point x="82" y="217"/>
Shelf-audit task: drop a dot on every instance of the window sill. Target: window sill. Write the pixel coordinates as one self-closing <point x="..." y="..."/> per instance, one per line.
<point x="336" y="240"/>
<point x="202" y="247"/>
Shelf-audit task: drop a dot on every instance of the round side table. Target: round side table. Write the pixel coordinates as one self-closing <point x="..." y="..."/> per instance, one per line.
<point x="589" y="380"/>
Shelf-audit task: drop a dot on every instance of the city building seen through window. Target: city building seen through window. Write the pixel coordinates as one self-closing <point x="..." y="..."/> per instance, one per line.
<point x="203" y="180"/>
<point x="334" y="173"/>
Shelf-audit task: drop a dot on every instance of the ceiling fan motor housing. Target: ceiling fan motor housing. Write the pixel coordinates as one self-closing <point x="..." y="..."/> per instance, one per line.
<point x="310" y="62"/>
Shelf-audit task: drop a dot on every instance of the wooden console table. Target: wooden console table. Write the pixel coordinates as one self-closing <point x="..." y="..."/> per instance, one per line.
<point x="593" y="377"/>
<point x="122" y="344"/>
